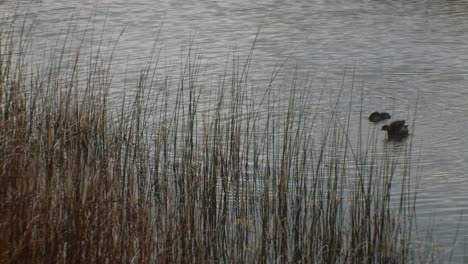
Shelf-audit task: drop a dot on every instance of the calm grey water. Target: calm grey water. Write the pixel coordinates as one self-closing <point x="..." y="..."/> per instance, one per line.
<point x="406" y="55"/>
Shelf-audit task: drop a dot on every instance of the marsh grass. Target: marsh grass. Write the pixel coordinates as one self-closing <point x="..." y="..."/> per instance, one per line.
<point x="157" y="179"/>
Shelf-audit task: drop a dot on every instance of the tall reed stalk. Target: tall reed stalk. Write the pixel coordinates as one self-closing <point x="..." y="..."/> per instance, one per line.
<point x="165" y="176"/>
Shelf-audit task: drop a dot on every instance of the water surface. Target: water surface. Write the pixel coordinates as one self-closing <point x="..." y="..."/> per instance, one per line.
<point x="408" y="57"/>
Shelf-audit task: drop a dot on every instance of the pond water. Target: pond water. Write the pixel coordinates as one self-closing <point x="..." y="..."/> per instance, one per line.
<point x="409" y="58"/>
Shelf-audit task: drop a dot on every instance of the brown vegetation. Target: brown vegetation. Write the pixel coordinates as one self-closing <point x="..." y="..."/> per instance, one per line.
<point x="82" y="184"/>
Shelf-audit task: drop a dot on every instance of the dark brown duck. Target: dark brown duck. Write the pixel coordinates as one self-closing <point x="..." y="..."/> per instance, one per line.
<point x="376" y="117"/>
<point x="396" y="130"/>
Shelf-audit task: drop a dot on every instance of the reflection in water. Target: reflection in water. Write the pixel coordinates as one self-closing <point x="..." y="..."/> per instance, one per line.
<point x="407" y="56"/>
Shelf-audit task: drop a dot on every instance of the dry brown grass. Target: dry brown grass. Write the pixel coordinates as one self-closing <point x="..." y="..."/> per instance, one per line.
<point x="82" y="185"/>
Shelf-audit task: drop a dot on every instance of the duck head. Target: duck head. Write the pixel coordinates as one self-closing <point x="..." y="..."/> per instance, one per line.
<point x="385" y="127"/>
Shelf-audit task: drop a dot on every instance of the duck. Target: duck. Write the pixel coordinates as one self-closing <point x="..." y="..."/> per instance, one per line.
<point x="396" y="130"/>
<point x="377" y="117"/>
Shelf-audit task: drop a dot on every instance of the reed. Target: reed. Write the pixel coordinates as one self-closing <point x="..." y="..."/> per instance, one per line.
<point x="165" y="176"/>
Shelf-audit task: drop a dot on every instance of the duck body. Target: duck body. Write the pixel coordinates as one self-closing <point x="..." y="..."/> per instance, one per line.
<point x="396" y="130"/>
<point x="385" y="115"/>
<point x="377" y="117"/>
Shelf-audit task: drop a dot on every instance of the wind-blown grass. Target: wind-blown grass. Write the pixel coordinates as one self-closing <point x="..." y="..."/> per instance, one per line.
<point x="158" y="179"/>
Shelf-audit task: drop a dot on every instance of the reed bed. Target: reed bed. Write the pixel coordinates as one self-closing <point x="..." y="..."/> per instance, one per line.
<point x="159" y="179"/>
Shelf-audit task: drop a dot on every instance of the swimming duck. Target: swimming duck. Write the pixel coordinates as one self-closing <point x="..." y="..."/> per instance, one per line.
<point x="376" y="117"/>
<point x="396" y="130"/>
